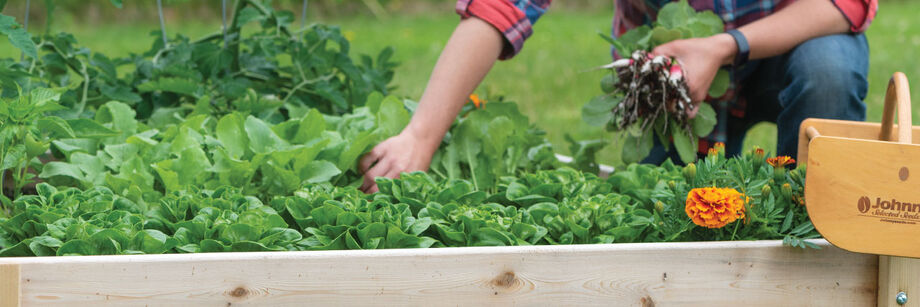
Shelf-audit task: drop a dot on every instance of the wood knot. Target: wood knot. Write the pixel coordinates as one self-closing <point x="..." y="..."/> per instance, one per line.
<point x="239" y="292"/>
<point x="647" y="301"/>
<point x="504" y="280"/>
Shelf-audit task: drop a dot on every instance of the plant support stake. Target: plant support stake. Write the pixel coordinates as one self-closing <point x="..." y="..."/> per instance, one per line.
<point x="303" y="15"/>
<point x="223" y="20"/>
<point x="162" y="22"/>
<point x="25" y="25"/>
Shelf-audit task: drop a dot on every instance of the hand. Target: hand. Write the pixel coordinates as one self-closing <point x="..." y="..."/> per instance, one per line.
<point x="700" y="59"/>
<point x="406" y="152"/>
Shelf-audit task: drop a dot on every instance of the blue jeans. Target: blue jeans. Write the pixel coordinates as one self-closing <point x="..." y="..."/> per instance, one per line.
<point x="823" y="77"/>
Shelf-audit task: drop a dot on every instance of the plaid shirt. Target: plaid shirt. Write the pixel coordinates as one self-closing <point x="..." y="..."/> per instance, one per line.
<point x="515" y="18"/>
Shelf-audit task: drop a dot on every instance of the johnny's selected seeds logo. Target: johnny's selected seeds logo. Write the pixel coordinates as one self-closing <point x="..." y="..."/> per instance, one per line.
<point x="889" y="210"/>
<point x="864" y="204"/>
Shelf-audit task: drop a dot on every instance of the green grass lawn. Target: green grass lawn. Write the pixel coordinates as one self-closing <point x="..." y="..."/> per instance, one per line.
<point x="552" y="77"/>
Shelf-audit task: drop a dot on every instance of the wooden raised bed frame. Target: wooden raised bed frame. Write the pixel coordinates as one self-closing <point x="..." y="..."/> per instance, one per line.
<point x="740" y="273"/>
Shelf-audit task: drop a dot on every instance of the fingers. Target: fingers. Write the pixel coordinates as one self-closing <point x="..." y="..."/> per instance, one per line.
<point x="692" y="113"/>
<point x="369" y="159"/>
<point x="380" y="169"/>
<point x="666" y="49"/>
<point x="373" y="189"/>
<point x="394" y="173"/>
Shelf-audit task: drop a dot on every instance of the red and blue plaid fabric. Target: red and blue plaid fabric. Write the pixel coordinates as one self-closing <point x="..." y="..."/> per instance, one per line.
<point x="514" y="18"/>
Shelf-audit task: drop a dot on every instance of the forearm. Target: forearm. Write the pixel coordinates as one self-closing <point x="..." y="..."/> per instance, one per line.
<point x="781" y="31"/>
<point x="468" y="56"/>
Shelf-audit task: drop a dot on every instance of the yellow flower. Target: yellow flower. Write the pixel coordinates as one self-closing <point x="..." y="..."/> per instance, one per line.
<point x="715" y="207"/>
<point x="780" y="161"/>
<point x="477" y="102"/>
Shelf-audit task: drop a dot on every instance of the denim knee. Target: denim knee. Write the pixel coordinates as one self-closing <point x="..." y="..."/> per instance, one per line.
<point x="826" y="78"/>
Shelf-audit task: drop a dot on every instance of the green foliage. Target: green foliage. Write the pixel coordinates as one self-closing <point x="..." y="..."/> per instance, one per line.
<point x="269" y="72"/>
<point x="770" y="215"/>
<point x="489" y="143"/>
<point x="203" y="151"/>
<point x="183" y="151"/>
<point x="642" y="203"/>
<point x="98" y="222"/>
<point x="25" y="135"/>
<point x="17" y="35"/>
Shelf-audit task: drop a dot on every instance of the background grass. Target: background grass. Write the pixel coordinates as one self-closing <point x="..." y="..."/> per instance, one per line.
<point x="550" y="79"/>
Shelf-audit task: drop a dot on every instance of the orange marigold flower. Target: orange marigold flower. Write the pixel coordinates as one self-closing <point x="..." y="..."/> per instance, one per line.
<point x="717" y="148"/>
<point x="780" y="161"/>
<point x="477" y="102"/>
<point x="715" y="207"/>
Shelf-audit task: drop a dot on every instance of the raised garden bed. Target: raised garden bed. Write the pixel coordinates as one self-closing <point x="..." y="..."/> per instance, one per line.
<point x="749" y="273"/>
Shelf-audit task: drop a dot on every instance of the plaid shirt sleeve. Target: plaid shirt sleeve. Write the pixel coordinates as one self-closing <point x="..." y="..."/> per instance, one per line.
<point x="513" y="18"/>
<point x="859" y="13"/>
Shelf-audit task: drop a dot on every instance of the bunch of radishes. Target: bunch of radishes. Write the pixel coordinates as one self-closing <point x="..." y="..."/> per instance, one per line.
<point x="651" y="85"/>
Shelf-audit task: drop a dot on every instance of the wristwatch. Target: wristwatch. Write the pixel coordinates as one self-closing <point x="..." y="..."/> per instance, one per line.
<point x="744" y="50"/>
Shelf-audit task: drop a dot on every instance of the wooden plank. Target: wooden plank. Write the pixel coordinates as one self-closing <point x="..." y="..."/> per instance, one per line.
<point x="9" y="285"/>
<point x="898" y="274"/>
<point x="842" y="128"/>
<point x="862" y="195"/>
<point x="753" y="273"/>
<point x="901" y="276"/>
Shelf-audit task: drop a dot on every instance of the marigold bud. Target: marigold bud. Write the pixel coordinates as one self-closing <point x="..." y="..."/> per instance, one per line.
<point x="766" y="190"/>
<point x="796" y="175"/>
<point x="779" y="174"/>
<point x="690" y="172"/>
<point x="758" y="158"/>
<point x="787" y="191"/>
<point x="672" y="184"/>
<point x="759" y="153"/>
<point x="659" y="206"/>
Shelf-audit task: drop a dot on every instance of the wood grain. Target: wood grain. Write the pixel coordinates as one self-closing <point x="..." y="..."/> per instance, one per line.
<point x="847" y="129"/>
<point x="753" y="273"/>
<point x="897" y="98"/>
<point x="843" y="172"/>
<point x="9" y="285"/>
<point x="898" y="274"/>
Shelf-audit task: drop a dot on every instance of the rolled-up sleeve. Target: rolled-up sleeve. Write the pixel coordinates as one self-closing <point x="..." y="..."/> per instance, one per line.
<point x="859" y="13"/>
<point x="513" y="18"/>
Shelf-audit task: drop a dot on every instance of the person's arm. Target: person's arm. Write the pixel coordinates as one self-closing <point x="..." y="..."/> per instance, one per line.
<point x="468" y="56"/>
<point x="769" y="36"/>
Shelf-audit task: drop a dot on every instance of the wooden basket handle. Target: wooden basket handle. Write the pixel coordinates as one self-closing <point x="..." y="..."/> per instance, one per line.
<point x="898" y="95"/>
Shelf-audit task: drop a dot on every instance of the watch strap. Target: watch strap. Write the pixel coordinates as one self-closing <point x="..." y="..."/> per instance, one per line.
<point x="744" y="50"/>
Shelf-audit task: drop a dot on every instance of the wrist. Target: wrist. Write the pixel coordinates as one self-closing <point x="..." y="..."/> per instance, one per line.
<point x="727" y="48"/>
<point x="426" y="137"/>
